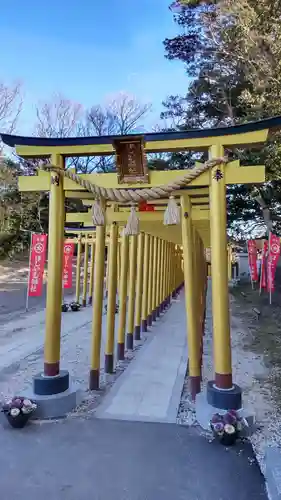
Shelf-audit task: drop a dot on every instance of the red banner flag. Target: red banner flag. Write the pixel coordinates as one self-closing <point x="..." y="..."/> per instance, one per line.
<point x="273" y="257"/>
<point x="263" y="265"/>
<point x="68" y="252"/>
<point x="253" y="259"/>
<point x="36" y="264"/>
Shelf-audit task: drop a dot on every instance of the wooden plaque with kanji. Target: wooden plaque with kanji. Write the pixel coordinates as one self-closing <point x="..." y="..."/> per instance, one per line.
<point x="131" y="161"/>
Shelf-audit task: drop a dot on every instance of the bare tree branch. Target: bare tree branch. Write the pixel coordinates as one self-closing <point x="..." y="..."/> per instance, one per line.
<point x="58" y="117"/>
<point x="120" y="116"/>
<point x="10" y="106"/>
<point x="127" y="113"/>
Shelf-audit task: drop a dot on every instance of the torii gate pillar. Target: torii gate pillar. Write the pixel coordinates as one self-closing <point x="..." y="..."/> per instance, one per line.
<point x="221" y="392"/>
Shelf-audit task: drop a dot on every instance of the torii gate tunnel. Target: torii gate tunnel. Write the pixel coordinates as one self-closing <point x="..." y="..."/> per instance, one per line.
<point x="155" y="263"/>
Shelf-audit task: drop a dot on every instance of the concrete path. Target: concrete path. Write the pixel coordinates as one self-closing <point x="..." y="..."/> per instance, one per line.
<point x="150" y="388"/>
<point x="113" y="460"/>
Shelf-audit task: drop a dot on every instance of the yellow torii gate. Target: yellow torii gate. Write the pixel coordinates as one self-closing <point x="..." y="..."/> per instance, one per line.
<point x="203" y="225"/>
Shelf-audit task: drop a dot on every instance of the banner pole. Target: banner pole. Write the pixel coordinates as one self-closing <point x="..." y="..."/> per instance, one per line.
<point x="62" y="292"/>
<point x="263" y="266"/>
<point x="261" y="273"/>
<point x="270" y="269"/>
<point x="249" y="265"/>
<point x="28" y="279"/>
<point x="270" y="292"/>
<point x="252" y="283"/>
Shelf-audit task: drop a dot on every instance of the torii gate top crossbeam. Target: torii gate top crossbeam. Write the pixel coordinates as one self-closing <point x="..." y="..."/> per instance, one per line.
<point x="207" y="139"/>
<point x="199" y="139"/>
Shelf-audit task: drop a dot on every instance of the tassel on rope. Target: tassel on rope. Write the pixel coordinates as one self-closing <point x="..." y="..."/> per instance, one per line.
<point x="133" y="223"/>
<point x="172" y="213"/>
<point x="97" y="214"/>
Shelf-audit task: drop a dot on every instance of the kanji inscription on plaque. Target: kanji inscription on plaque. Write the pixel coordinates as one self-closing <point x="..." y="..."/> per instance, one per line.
<point x="131" y="160"/>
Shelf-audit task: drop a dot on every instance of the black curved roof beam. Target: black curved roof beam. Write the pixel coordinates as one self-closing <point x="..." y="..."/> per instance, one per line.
<point x="24" y="143"/>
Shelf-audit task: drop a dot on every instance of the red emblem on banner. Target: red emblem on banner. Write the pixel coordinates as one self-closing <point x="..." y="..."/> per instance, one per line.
<point x="68" y="252"/>
<point x="253" y="258"/>
<point x="36" y="264"/>
<point x="145" y="207"/>
<point x="273" y="257"/>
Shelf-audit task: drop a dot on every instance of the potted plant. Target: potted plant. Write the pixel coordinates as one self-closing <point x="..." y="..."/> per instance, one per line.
<point x="18" y="411"/>
<point x="227" y="427"/>
<point x="75" y="306"/>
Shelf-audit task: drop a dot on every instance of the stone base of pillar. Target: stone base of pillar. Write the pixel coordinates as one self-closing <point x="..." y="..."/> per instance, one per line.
<point x="108" y="363"/>
<point x="144" y="325"/>
<point x="130" y="341"/>
<point x="55" y="396"/>
<point x="195" y="386"/>
<point x="47" y="385"/>
<point x="158" y="311"/>
<point x="120" y="351"/>
<point x="167" y="302"/>
<point x="154" y="315"/>
<point x="224" y="399"/>
<point x="94" y="380"/>
<point x="137" y="332"/>
<point x="149" y="320"/>
<point x="90" y="300"/>
<point x="84" y="302"/>
<point x="56" y="405"/>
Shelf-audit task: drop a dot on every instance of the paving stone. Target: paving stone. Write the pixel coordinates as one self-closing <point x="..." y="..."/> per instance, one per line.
<point x="151" y="387"/>
<point x="273" y="472"/>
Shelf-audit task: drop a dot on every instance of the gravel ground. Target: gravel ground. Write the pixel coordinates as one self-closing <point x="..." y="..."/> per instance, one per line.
<point x="186" y="411"/>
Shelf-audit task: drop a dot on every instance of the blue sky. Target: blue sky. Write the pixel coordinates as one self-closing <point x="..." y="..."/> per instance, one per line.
<point x="88" y="50"/>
